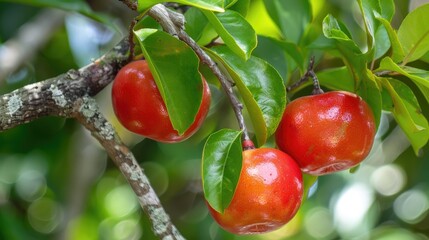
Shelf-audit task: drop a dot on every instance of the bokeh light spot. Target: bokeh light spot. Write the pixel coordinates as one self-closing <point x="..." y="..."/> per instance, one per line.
<point x="411" y="206"/>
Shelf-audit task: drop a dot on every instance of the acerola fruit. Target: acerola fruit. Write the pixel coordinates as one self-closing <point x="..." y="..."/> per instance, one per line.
<point x="140" y="108"/>
<point x="268" y="194"/>
<point x="328" y="132"/>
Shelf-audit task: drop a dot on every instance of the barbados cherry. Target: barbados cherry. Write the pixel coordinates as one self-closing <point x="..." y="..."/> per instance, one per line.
<point x="327" y="132"/>
<point x="268" y="194"/>
<point x="139" y="106"/>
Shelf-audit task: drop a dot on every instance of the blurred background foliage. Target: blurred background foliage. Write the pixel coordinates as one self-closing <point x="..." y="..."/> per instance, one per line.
<point x="56" y="182"/>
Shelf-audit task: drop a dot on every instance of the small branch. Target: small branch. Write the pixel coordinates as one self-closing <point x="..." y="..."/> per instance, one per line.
<point x="131" y="4"/>
<point x="87" y="113"/>
<point x="309" y="73"/>
<point x="28" y="40"/>
<point x="385" y="73"/>
<point x="173" y="23"/>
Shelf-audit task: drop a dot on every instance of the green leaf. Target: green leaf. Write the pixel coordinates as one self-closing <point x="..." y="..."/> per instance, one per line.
<point x="212" y="5"/>
<point x="276" y="52"/>
<point x="235" y="31"/>
<point x="291" y="16"/>
<point x="195" y="23"/>
<point x="421" y="82"/>
<point x="407" y="113"/>
<point x="241" y="7"/>
<point x="79" y="6"/>
<point x="413" y="34"/>
<point x="352" y="55"/>
<point x="309" y="181"/>
<point x="261" y="88"/>
<point x="221" y="167"/>
<point x="336" y="79"/>
<point x="174" y="66"/>
<point x="397" y="51"/>
<point x="376" y="33"/>
<point x="371" y="93"/>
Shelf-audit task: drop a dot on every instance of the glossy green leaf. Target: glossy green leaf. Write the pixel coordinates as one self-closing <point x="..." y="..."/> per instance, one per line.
<point x="174" y="66"/>
<point x="421" y="82"/>
<point x="221" y="167"/>
<point x="261" y="88"/>
<point x="212" y="5"/>
<point x="413" y="34"/>
<point x="291" y="16"/>
<point x="407" y="113"/>
<point x="397" y="51"/>
<point x="235" y="31"/>
<point x="79" y="6"/>
<point x="352" y="55"/>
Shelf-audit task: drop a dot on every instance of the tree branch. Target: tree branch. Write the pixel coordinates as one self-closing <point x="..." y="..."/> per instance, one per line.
<point x="173" y="23"/>
<point x="87" y="113"/>
<point x="54" y="97"/>
<point x="69" y="95"/>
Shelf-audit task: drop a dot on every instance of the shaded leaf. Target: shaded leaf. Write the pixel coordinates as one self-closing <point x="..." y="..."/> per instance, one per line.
<point x="336" y="79"/>
<point x="221" y="167"/>
<point x="371" y="93"/>
<point x="397" y="51"/>
<point x="174" y="66"/>
<point x="292" y="17"/>
<point x="407" y="113"/>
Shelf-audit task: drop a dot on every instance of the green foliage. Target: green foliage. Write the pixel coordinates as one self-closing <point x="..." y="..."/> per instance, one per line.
<point x="79" y="6"/>
<point x="413" y="35"/>
<point x="364" y="52"/>
<point x="174" y="67"/>
<point x="213" y="5"/>
<point x="261" y="88"/>
<point x="234" y="30"/>
<point x="291" y="16"/>
<point x="222" y="161"/>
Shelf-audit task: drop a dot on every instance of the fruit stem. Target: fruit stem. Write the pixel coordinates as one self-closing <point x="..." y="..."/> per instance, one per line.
<point x="309" y="73"/>
<point x="131" y="40"/>
<point x="247" y="145"/>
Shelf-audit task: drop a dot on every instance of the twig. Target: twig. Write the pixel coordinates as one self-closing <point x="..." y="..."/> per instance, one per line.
<point x="29" y="39"/>
<point x="309" y="73"/>
<point x="173" y="23"/>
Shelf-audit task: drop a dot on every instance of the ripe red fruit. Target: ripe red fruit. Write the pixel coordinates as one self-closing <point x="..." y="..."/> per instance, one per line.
<point x="268" y="194"/>
<point x="327" y="132"/>
<point x="139" y="106"/>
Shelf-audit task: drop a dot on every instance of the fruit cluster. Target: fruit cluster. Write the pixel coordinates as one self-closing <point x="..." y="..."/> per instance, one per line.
<point x="318" y="135"/>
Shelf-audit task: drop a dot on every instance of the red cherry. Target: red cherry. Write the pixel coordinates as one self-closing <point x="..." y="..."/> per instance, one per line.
<point x="327" y="132"/>
<point x="268" y="194"/>
<point x="139" y="106"/>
